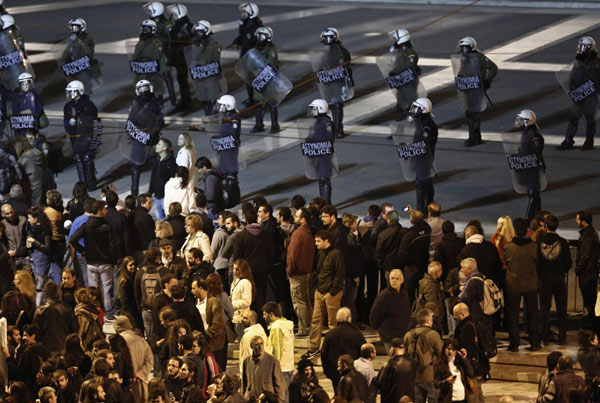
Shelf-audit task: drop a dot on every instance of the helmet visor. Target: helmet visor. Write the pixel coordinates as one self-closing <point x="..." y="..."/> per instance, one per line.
<point x="415" y="110"/>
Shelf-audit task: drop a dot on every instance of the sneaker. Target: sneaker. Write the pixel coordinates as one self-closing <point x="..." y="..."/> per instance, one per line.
<point x="311" y="353"/>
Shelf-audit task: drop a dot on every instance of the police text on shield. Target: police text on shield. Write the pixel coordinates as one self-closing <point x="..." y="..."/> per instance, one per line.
<point x="144" y="67"/>
<point x="205" y="71"/>
<point x="583" y="91"/>
<point x="263" y="78"/>
<point x="522" y="162"/>
<point x="412" y="150"/>
<point x="317" y="149"/>
<point x="468" y="83"/>
<point x="223" y="143"/>
<point x="136" y="133"/>
<point x="79" y="65"/>
<point x="401" y="79"/>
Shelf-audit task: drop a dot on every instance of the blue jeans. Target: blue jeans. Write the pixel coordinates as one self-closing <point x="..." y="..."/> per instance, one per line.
<point x="81" y="272"/>
<point x="159" y="208"/>
<point x="101" y="275"/>
<point x="41" y="269"/>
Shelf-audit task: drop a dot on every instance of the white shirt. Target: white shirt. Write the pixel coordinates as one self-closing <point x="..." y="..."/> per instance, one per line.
<point x="187" y="158"/>
<point x="458" y="389"/>
<point x="201" y="305"/>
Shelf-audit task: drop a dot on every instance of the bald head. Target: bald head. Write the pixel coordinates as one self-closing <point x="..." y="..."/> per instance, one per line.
<point x="7" y="211"/>
<point x="461" y="311"/>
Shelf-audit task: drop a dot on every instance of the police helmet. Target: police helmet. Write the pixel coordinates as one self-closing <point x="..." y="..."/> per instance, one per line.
<point x="226" y="103"/>
<point x="318" y="107"/>
<point x="75" y="89"/>
<point x="585" y="45"/>
<point x="142" y="87"/>
<point x="248" y="10"/>
<point x="77" y="25"/>
<point x="6" y="21"/>
<point x="468" y="43"/>
<point x="26" y="81"/>
<point x="264" y="34"/>
<point x="148" y="27"/>
<point x="525" y="118"/>
<point x="202" y="27"/>
<point x="178" y="11"/>
<point x="400" y="36"/>
<point x="154" y="9"/>
<point x="329" y="35"/>
<point x="420" y="106"/>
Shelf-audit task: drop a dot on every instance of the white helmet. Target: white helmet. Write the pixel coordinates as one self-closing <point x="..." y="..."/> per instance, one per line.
<point x="248" y="10"/>
<point x="142" y="87"/>
<point x="400" y="36"/>
<point x="586" y="44"/>
<point x="75" y="89"/>
<point x="77" y="25"/>
<point x="264" y="34"/>
<point x="226" y="103"/>
<point x="26" y="81"/>
<point x="154" y="9"/>
<point x="329" y="35"/>
<point x="178" y="11"/>
<point x="148" y="26"/>
<point x="6" y="21"/>
<point x="202" y="26"/>
<point x="318" y="107"/>
<point x="467" y="42"/>
<point x="420" y="106"/>
<point x="525" y="118"/>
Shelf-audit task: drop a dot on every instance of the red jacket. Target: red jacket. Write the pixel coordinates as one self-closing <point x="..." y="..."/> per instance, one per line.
<point x="301" y="252"/>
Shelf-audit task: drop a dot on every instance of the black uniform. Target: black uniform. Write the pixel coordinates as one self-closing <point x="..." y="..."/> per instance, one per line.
<point x="245" y="41"/>
<point x="424" y="184"/>
<point x="181" y="36"/>
<point x="411" y="55"/>
<point x="269" y="51"/>
<point x="532" y="142"/>
<point x="322" y="166"/>
<point x="85" y="132"/>
<point x="337" y="109"/>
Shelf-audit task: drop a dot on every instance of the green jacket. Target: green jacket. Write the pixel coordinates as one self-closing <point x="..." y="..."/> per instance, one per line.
<point x="269" y="51"/>
<point x="521" y="258"/>
<point x="428" y="350"/>
<point x="330" y="271"/>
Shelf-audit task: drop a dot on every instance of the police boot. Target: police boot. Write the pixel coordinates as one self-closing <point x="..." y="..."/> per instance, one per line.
<point x="534" y="205"/>
<point x="135" y="179"/>
<point x="325" y="189"/>
<point x="259" y="125"/>
<point x="568" y="142"/>
<point x="274" y="120"/>
<point x="590" y="132"/>
<point x="474" y="125"/>
<point x="80" y="168"/>
<point x="250" y="100"/>
<point x="90" y="172"/>
<point x="337" y="112"/>
<point x="209" y="107"/>
<point x="429" y="193"/>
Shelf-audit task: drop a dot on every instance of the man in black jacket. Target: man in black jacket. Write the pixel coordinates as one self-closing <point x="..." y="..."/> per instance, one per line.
<point x="55" y="320"/>
<point x="388" y="243"/>
<point x="26" y="367"/>
<point x="484" y="252"/>
<point x="353" y="385"/>
<point x="554" y="262"/>
<point x="142" y="225"/>
<point x="342" y="339"/>
<point x="99" y="254"/>
<point x="397" y="377"/>
<point x="338" y="233"/>
<point x="118" y="222"/>
<point x="163" y="169"/>
<point x="186" y="308"/>
<point x="414" y="252"/>
<point x="586" y="264"/>
<point x="447" y="251"/>
<point x="467" y="333"/>
<point x="391" y="310"/>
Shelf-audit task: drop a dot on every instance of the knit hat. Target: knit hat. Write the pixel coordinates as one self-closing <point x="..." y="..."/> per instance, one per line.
<point x="303" y="363"/>
<point x="122" y="323"/>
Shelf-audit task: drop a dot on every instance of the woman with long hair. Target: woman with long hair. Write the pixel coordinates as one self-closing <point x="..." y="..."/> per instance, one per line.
<point x="123" y="361"/>
<point x="242" y="292"/>
<point x="126" y="293"/>
<point x="87" y="315"/>
<point x="75" y="205"/>
<point x="18" y="393"/>
<point x="211" y="367"/>
<point x="10" y="309"/>
<point x="38" y="243"/>
<point x="186" y="157"/>
<point x="588" y="354"/>
<point x="503" y="235"/>
<point x="23" y="283"/>
<point x="170" y="348"/>
<point x="180" y="188"/>
<point x="74" y="356"/>
<point x="217" y="336"/>
<point x="451" y="373"/>
<point x="305" y="383"/>
<point x="196" y="238"/>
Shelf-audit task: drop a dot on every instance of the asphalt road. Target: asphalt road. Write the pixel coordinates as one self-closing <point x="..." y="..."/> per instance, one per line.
<point x="529" y="44"/>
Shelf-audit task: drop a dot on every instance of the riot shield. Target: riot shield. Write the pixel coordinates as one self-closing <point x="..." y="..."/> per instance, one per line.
<point x="333" y="79"/>
<point x="577" y="82"/>
<point x="75" y="63"/>
<point x="23" y="121"/>
<point x="317" y="147"/>
<point x="414" y="155"/>
<point x="226" y="146"/>
<point x="12" y="61"/>
<point x="140" y="134"/>
<point x="145" y="64"/>
<point x="266" y="80"/>
<point x="469" y="84"/>
<point x="524" y="164"/>
<point x="206" y="75"/>
<point x="401" y="77"/>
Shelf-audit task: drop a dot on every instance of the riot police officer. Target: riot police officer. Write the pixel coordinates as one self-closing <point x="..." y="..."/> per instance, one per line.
<point x="586" y="67"/>
<point x="246" y="38"/>
<point x="321" y="131"/>
<point x="156" y="11"/>
<point x="487" y="72"/>
<point x="403" y="47"/>
<point x="73" y="60"/>
<point x="231" y="125"/>
<point x="532" y="143"/>
<point x="27" y="108"/>
<point x="84" y="129"/>
<point x="181" y="36"/>
<point x="264" y="44"/>
<point x="211" y="50"/>
<point x="78" y="27"/>
<point x="2" y="9"/>
<point x="143" y="128"/>
<point x="330" y="37"/>
<point x="11" y="40"/>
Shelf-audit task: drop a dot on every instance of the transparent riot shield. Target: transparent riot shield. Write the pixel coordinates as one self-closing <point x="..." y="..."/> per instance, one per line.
<point x="469" y="84"/>
<point x="140" y="133"/>
<point x="317" y="148"/>
<point x="333" y="79"/>
<point x="225" y="144"/>
<point x="145" y="63"/>
<point x="577" y="82"/>
<point x="205" y="72"/>
<point x="266" y="80"/>
<point x="414" y="155"/>
<point x="76" y="63"/>
<point x="524" y="164"/>
<point x="12" y="61"/>
<point x="401" y="77"/>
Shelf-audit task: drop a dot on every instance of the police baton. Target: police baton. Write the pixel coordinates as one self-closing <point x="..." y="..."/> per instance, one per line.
<point x="488" y="98"/>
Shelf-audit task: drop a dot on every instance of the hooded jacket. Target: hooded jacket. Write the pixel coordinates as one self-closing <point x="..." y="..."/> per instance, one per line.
<point x="32" y="162"/>
<point x="256" y="246"/>
<point x="486" y="255"/>
<point x="174" y="191"/>
<point x="98" y="239"/>
<point x="280" y="343"/>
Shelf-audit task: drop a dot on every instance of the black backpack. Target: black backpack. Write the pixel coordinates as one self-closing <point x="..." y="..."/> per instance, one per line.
<point x="486" y="344"/>
<point x="218" y="200"/>
<point x="231" y="191"/>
